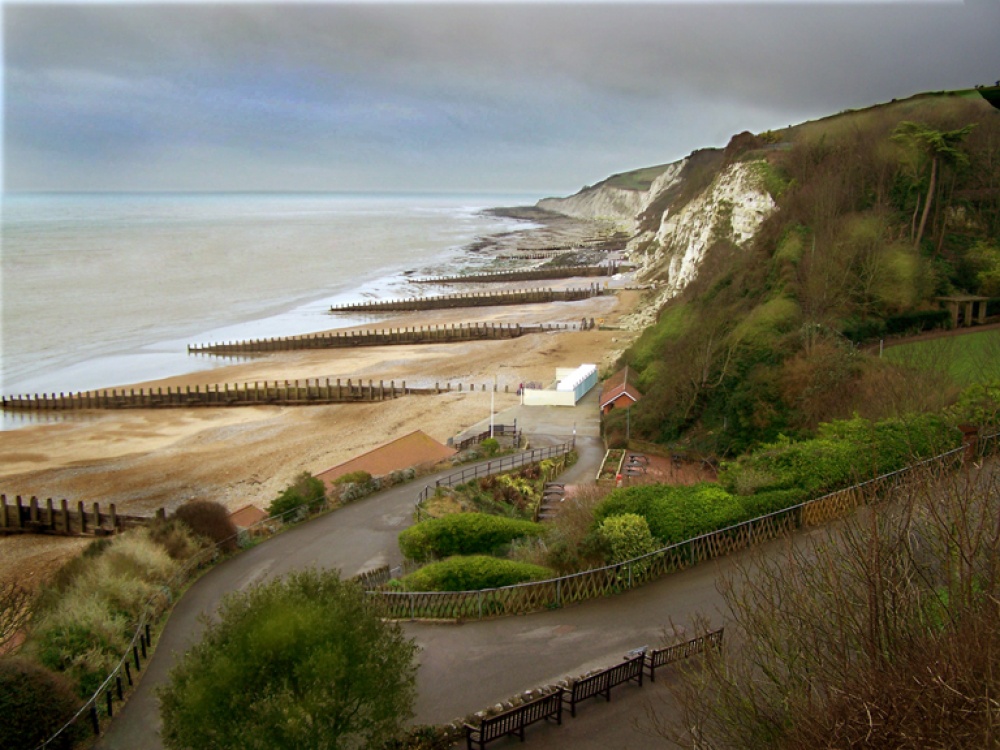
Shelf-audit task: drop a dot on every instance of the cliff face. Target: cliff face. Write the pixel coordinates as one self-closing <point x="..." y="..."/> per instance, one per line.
<point x="678" y="230"/>
<point x="733" y="207"/>
<point x="601" y="203"/>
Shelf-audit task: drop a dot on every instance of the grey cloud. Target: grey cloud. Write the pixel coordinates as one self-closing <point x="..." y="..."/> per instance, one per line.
<point x="532" y="94"/>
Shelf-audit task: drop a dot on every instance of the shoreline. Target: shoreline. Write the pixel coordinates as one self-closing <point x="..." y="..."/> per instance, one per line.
<point x="146" y="459"/>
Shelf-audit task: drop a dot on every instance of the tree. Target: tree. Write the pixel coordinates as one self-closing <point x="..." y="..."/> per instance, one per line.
<point x="937" y="146"/>
<point x="34" y="704"/>
<point x="15" y="610"/>
<point x="300" y="662"/>
<point x="883" y="634"/>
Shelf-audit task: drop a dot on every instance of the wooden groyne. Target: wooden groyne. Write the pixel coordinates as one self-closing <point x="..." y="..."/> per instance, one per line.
<point x="479" y="299"/>
<point x="57" y="517"/>
<point x="289" y="393"/>
<point x="529" y="274"/>
<point x="387" y="337"/>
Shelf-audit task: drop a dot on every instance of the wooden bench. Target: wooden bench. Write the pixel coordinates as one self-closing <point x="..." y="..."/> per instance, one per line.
<point x="514" y="720"/>
<point x="602" y="682"/>
<point x="662" y="656"/>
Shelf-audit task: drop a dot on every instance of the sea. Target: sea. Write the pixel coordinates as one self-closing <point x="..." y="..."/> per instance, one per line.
<point x="99" y="290"/>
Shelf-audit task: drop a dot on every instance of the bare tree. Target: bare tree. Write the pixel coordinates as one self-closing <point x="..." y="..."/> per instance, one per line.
<point x="15" y="610"/>
<point x="880" y="633"/>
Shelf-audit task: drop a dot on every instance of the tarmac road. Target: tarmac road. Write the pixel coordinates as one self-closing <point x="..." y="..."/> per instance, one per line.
<point x="463" y="667"/>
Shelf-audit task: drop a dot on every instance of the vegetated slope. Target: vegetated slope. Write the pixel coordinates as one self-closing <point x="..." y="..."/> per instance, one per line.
<point x="774" y="256"/>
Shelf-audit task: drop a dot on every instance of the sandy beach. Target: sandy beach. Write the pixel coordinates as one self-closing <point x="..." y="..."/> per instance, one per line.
<point x="143" y="460"/>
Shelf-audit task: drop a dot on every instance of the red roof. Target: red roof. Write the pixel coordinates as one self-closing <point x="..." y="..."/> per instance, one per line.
<point x="625" y="389"/>
<point x="409" y="451"/>
<point x="617" y="386"/>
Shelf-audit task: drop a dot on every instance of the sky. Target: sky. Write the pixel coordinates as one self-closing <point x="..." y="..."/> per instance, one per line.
<point x="449" y="97"/>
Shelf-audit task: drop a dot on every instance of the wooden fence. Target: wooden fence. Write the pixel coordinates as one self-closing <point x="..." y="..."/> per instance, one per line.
<point x="613" y="579"/>
<point x="530" y="274"/>
<point x="33" y="517"/>
<point x="288" y="393"/>
<point x="387" y="337"/>
<point x="478" y="299"/>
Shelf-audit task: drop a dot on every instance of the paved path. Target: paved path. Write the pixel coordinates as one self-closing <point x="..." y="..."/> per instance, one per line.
<point x="463" y="668"/>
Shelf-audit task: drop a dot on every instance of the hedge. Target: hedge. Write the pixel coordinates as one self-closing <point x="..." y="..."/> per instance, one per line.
<point x="783" y="474"/>
<point x="463" y="534"/>
<point x="472" y="573"/>
<point x="674" y="513"/>
<point x="842" y="453"/>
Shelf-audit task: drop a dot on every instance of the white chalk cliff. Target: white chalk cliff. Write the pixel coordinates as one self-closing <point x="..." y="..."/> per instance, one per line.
<point x="733" y="205"/>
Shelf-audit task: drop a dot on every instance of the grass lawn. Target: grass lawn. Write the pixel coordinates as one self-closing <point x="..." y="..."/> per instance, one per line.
<point x="970" y="358"/>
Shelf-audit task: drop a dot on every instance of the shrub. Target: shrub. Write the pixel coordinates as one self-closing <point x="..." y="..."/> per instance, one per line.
<point x="627" y="537"/>
<point x="34" y="704"/>
<point x="463" y="534"/>
<point x="472" y="573"/>
<point x="842" y="453"/>
<point x="210" y="520"/>
<point x="353" y="477"/>
<point x="489" y="447"/>
<point x="306" y="490"/>
<point x="176" y="538"/>
<point x="325" y="669"/>
<point x="83" y="628"/>
<point x="674" y="513"/>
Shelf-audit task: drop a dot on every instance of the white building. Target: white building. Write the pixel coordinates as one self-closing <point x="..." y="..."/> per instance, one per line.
<point x="571" y="385"/>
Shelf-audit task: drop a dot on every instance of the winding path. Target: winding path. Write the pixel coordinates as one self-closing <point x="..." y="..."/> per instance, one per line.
<point x="463" y="667"/>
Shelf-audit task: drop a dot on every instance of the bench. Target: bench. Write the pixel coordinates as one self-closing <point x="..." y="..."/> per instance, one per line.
<point x="514" y="720"/>
<point x="602" y="682"/>
<point x="662" y="656"/>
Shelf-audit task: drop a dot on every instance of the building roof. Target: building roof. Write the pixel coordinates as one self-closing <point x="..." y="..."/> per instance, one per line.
<point x="411" y="450"/>
<point x="247" y="516"/>
<point x="625" y="389"/>
<point x="618" y="385"/>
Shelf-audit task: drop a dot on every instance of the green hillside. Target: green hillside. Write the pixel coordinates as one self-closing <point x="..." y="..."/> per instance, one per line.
<point x="879" y="212"/>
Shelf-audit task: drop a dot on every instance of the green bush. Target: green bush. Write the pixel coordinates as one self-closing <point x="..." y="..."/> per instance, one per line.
<point x="353" y="477"/>
<point x="305" y="661"/>
<point x="472" y="573"/>
<point x="842" y="453"/>
<point x="463" y="534"/>
<point x="306" y="490"/>
<point x="34" y="704"/>
<point x="674" y="513"/>
<point x="627" y="537"/>
<point x="490" y="447"/>
<point x="85" y="627"/>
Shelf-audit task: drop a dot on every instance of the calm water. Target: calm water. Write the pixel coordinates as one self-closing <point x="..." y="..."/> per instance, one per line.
<point x="104" y="290"/>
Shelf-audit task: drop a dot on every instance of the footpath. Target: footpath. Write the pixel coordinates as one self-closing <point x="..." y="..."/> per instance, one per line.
<point x="465" y="667"/>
